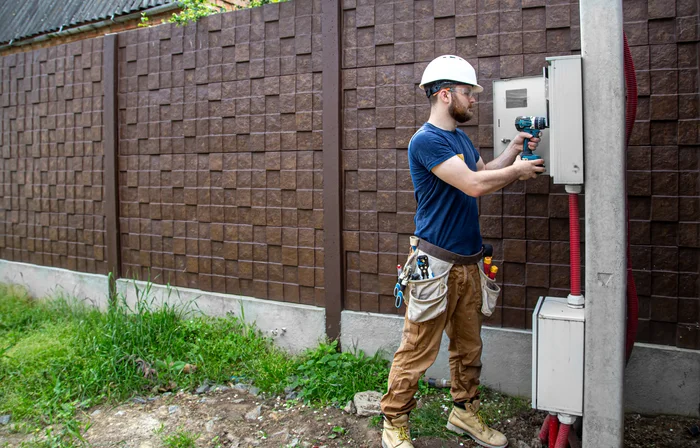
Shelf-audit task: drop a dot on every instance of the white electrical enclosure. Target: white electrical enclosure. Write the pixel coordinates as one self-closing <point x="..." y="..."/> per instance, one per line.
<point x="565" y="106"/>
<point x="515" y="97"/>
<point x="557" y="357"/>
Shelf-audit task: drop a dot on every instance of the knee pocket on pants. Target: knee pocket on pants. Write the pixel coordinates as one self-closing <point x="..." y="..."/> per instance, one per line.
<point x="414" y="334"/>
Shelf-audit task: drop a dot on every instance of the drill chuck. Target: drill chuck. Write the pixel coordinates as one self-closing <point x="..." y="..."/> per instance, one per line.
<point x="524" y="124"/>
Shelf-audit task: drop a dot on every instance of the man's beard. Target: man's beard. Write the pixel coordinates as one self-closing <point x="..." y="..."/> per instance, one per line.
<point x="460" y="113"/>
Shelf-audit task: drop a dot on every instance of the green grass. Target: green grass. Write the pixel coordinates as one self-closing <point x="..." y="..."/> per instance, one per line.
<point x="180" y="439"/>
<point x="58" y="357"/>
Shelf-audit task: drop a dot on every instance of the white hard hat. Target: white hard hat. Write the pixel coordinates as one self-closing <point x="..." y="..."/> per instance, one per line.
<point x="450" y="68"/>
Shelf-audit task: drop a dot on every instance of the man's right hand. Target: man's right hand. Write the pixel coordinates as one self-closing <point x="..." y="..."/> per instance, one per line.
<point x="528" y="169"/>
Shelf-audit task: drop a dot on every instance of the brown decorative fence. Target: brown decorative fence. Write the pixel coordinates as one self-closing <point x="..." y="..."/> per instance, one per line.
<point x="263" y="153"/>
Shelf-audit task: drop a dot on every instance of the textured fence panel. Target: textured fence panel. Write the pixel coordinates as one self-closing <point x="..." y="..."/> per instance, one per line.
<point x="221" y="153"/>
<point x="51" y="166"/>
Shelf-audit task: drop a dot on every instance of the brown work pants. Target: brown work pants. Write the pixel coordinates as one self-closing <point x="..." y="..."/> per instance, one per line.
<point x="420" y="345"/>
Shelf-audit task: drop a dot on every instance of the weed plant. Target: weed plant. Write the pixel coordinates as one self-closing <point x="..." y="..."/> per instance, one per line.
<point x="325" y="376"/>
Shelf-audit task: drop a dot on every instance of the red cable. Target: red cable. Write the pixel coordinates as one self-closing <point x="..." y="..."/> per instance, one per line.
<point x="544" y="431"/>
<point x="563" y="437"/>
<point x="553" y="428"/>
<point x="631" y="114"/>
<point x="575" y="245"/>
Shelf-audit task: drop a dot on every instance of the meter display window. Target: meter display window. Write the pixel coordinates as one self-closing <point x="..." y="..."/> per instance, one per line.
<point x="516" y="98"/>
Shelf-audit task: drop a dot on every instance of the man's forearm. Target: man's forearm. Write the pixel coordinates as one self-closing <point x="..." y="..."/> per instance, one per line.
<point x="488" y="182"/>
<point x="506" y="158"/>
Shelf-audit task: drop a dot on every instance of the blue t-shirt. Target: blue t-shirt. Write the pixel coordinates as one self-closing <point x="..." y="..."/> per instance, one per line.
<point x="446" y="217"/>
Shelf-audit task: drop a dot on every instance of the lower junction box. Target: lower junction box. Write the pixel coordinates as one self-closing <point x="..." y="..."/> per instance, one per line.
<point x="558" y="332"/>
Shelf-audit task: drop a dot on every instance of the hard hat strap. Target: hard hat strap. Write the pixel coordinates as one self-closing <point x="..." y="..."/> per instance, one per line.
<point x="436" y="87"/>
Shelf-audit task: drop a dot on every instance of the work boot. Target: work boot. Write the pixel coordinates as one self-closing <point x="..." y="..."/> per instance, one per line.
<point x="468" y="421"/>
<point x="396" y="433"/>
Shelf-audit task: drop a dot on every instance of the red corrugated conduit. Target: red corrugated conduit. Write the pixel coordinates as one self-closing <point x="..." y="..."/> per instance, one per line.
<point x="563" y="437"/>
<point x="631" y="114"/>
<point x="574" y="245"/>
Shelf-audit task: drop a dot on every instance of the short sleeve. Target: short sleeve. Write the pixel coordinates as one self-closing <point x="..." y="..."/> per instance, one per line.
<point x="470" y="146"/>
<point x="430" y="150"/>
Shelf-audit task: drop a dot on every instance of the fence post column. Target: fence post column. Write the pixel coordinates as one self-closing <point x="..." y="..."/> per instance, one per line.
<point x="332" y="168"/>
<point x="111" y="160"/>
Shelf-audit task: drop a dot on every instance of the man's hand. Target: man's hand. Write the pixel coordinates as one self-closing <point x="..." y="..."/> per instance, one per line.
<point x="519" y="139"/>
<point x="528" y="169"/>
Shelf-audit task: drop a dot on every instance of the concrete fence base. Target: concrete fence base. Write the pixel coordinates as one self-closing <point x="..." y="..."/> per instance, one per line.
<point x="658" y="379"/>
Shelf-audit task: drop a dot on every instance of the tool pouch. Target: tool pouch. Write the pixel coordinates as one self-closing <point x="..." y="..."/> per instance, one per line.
<point x="489" y="292"/>
<point x="427" y="298"/>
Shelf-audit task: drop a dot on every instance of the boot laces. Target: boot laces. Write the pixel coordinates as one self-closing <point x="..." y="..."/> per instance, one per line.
<point x="482" y="424"/>
<point x="403" y="433"/>
<point x="480" y="419"/>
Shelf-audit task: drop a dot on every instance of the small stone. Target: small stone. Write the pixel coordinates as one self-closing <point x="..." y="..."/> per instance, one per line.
<point x="291" y="396"/>
<point x="237" y="401"/>
<point x="367" y="403"/>
<point x="5" y="419"/>
<point x="241" y="387"/>
<point x="202" y="389"/>
<point x="96" y="413"/>
<point x="119" y="413"/>
<point x="253" y="415"/>
<point x="255" y="391"/>
<point x="350" y="407"/>
<point x="138" y="400"/>
<point x="521" y="444"/>
<point x="173" y="409"/>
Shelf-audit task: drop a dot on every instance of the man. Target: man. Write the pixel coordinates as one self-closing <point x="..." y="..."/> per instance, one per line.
<point x="448" y="175"/>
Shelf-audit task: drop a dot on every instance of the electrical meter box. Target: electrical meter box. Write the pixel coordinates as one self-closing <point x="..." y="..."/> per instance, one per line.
<point x="564" y="94"/>
<point x="511" y="99"/>
<point x="557" y="356"/>
<point x="557" y="96"/>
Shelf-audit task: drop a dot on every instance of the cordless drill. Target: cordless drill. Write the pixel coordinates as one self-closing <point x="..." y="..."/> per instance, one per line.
<point x="531" y="125"/>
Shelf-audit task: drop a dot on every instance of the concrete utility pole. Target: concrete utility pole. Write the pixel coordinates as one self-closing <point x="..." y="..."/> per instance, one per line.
<point x="606" y="227"/>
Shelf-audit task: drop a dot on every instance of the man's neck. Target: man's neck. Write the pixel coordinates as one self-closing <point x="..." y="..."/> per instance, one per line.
<point x="442" y="120"/>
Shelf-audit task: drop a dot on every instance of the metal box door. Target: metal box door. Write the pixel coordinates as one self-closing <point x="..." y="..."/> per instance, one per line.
<point x="514" y="97"/>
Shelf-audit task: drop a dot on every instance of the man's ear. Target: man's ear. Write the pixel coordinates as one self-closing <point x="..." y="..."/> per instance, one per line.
<point x="443" y="95"/>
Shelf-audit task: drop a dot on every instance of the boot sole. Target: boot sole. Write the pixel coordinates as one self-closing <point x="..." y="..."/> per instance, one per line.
<point x="460" y="431"/>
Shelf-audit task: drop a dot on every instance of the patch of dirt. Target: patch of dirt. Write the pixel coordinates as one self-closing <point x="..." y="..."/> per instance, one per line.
<point x="237" y="419"/>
